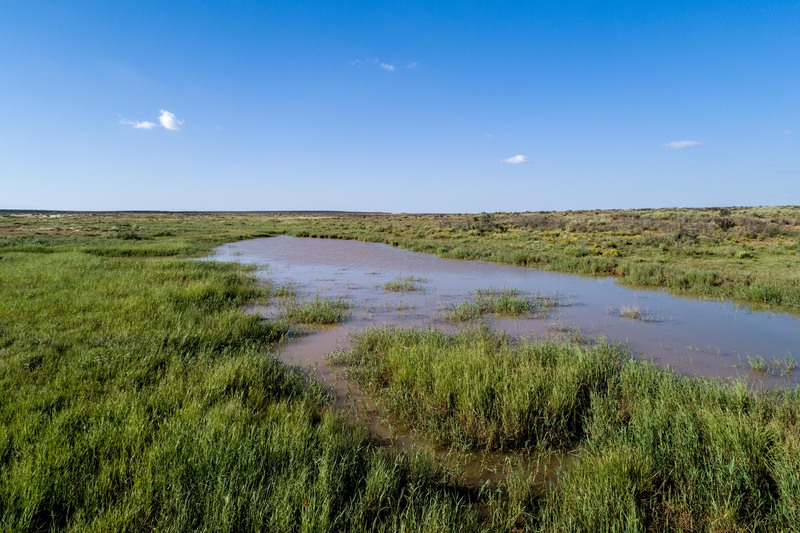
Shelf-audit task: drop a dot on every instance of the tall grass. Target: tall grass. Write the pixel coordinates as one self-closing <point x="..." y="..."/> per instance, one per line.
<point x="653" y="451"/>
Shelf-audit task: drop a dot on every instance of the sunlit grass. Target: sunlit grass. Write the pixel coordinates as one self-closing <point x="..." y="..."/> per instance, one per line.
<point x="136" y="393"/>
<point x="650" y="449"/>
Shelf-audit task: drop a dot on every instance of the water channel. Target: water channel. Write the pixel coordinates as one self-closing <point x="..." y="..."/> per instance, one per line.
<point x="695" y="337"/>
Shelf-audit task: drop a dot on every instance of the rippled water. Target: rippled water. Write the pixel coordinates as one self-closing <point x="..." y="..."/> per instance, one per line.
<point x="711" y="338"/>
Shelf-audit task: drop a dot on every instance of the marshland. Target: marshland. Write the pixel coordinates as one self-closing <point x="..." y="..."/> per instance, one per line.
<point x="145" y="384"/>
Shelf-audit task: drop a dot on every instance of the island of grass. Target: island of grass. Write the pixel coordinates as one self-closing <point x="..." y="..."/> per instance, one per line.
<point x="404" y="284"/>
<point x="501" y="302"/>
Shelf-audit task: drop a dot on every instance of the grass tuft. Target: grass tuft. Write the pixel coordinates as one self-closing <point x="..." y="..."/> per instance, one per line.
<point x="317" y="311"/>
<point x="502" y="302"/>
<point x="404" y="284"/>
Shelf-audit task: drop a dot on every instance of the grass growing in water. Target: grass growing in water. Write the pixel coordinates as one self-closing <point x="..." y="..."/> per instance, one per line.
<point x="404" y="284"/>
<point x="633" y="312"/>
<point x="317" y="311"/>
<point x="503" y="302"/>
<point x="778" y="367"/>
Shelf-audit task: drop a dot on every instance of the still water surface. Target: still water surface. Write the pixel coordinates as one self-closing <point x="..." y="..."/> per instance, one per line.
<point x="696" y="337"/>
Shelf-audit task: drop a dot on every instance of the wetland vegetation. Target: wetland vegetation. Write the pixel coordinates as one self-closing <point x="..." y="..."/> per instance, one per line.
<point x="501" y="302"/>
<point x="137" y="394"/>
<point x="404" y="284"/>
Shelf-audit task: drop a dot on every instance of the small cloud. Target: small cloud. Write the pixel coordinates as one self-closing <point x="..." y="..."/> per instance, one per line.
<point x="387" y="67"/>
<point x="355" y="63"/>
<point x="413" y="64"/>
<point x="139" y="125"/>
<point x="680" y="145"/>
<point x="787" y="131"/>
<point x="516" y="160"/>
<point x="169" y="121"/>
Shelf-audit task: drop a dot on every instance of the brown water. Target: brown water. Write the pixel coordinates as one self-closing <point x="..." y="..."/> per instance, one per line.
<point x="696" y="337"/>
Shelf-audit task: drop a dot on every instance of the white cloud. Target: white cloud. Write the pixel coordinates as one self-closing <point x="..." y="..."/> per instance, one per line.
<point x="680" y="145"/>
<point x="169" y="121"/>
<point x="387" y="67"/>
<point x="516" y="160"/>
<point x="787" y="131"/>
<point x="139" y="125"/>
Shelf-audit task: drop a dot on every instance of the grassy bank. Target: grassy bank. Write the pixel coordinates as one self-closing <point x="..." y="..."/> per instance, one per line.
<point x="653" y="451"/>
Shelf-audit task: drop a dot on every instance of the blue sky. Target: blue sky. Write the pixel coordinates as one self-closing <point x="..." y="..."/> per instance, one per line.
<point x="398" y="106"/>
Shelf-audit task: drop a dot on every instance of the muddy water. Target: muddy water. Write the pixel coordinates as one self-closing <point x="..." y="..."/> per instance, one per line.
<point x="696" y="337"/>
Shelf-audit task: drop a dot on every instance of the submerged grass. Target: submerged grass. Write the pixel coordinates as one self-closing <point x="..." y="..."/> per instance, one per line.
<point x="502" y="302"/>
<point x="653" y="451"/>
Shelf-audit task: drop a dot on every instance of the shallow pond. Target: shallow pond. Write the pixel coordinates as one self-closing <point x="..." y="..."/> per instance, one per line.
<point x="696" y="337"/>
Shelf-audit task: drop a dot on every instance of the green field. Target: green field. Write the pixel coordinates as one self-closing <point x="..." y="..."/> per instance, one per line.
<point x="137" y="394"/>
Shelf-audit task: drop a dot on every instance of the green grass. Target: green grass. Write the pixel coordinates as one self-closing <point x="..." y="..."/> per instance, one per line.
<point x="404" y="284"/>
<point x="136" y="393"/>
<point x="652" y="450"/>
<point x="501" y="302"/>
<point x="317" y="311"/>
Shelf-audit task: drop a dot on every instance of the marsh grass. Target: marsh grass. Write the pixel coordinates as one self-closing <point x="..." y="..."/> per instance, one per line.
<point x="777" y="367"/>
<point x="405" y="284"/>
<point x="651" y="450"/>
<point x="633" y="312"/>
<point x="317" y="311"/>
<point x="136" y="394"/>
<point x="501" y="302"/>
<point x="697" y="252"/>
